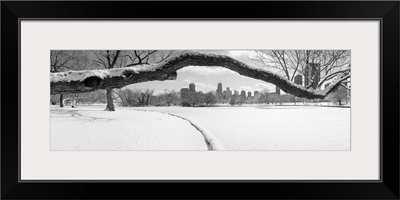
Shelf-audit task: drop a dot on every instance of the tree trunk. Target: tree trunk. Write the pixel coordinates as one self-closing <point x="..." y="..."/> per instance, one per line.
<point x="61" y="100"/>
<point x="73" y="103"/>
<point x="110" y="103"/>
<point x="147" y="100"/>
<point x="142" y="101"/>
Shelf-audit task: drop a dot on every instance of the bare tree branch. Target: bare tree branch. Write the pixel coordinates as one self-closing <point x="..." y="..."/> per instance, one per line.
<point x="85" y="81"/>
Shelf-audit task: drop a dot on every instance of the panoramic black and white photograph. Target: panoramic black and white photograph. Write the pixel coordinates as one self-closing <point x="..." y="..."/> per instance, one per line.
<point x="200" y="100"/>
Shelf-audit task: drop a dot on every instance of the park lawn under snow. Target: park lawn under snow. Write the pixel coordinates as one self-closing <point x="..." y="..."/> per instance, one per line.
<point x="272" y="127"/>
<point x="92" y="128"/>
<point x="234" y="128"/>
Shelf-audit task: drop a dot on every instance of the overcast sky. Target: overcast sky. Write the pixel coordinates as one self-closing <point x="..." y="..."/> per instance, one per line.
<point x="207" y="78"/>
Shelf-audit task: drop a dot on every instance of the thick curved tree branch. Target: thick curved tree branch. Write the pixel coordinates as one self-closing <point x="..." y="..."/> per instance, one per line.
<point x="91" y="80"/>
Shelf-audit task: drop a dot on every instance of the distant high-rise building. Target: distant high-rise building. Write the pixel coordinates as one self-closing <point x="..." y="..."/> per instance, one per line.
<point x="312" y="71"/>
<point x="228" y="93"/>
<point x="256" y="92"/>
<point x="317" y="76"/>
<point x="192" y="87"/>
<point x="243" y="94"/>
<point x="219" y="89"/>
<point x="307" y="74"/>
<point x="277" y="90"/>
<point x="298" y="79"/>
<point x="236" y="93"/>
<point x="248" y="94"/>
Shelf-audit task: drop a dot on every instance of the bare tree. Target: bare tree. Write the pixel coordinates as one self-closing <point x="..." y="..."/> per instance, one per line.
<point x="122" y="96"/>
<point x="265" y="96"/>
<point x="146" y="57"/>
<point x="96" y="96"/>
<point x="61" y="61"/>
<point x="144" y="96"/>
<point x="274" y="98"/>
<point x="108" y="59"/>
<point x="317" y="66"/>
<point x="169" y="97"/>
<point x="148" y="92"/>
<point x="128" y="97"/>
<point x="258" y="98"/>
<point x="209" y="98"/>
<point x="340" y="95"/>
<point x="232" y="100"/>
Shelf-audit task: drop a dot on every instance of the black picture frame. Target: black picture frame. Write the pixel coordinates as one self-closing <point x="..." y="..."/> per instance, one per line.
<point x="385" y="11"/>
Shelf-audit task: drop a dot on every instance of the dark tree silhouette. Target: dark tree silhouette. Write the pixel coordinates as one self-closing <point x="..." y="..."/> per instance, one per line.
<point x="109" y="59"/>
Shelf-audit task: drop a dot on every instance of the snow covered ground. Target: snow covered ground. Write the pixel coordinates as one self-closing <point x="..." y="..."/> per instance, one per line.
<point x="272" y="127"/>
<point x="235" y="128"/>
<point x="92" y="128"/>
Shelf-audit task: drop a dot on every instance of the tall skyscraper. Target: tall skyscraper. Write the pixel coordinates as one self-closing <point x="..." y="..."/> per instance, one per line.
<point x="298" y="79"/>
<point x="243" y="94"/>
<point x="192" y="87"/>
<point x="219" y="89"/>
<point x="248" y="94"/>
<point x="317" y="75"/>
<point x="256" y="92"/>
<point x="307" y="74"/>
<point x="236" y="92"/>
<point x="312" y="72"/>
<point x="228" y="93"/>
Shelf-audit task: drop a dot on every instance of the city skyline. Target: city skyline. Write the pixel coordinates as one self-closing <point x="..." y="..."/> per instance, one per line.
<point x="206" y="80"/>
<point x="217" y="87"/>
<point x="219" y="90"/>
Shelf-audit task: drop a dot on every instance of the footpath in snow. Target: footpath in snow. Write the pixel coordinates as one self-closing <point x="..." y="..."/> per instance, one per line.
<point x="211" y="141"/>
<point x="271" y="127"/>
<point x="92" y="128"/>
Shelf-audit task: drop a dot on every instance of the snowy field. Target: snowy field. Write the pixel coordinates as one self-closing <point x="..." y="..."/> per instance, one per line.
<point x="236" y="128"/>
<point x="92" y="128"/>
<point x="272" y="127"/>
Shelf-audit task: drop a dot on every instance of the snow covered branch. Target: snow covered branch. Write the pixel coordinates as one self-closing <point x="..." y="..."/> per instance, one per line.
<point x="333" y="75"/>
<point x="91" y="80"/>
